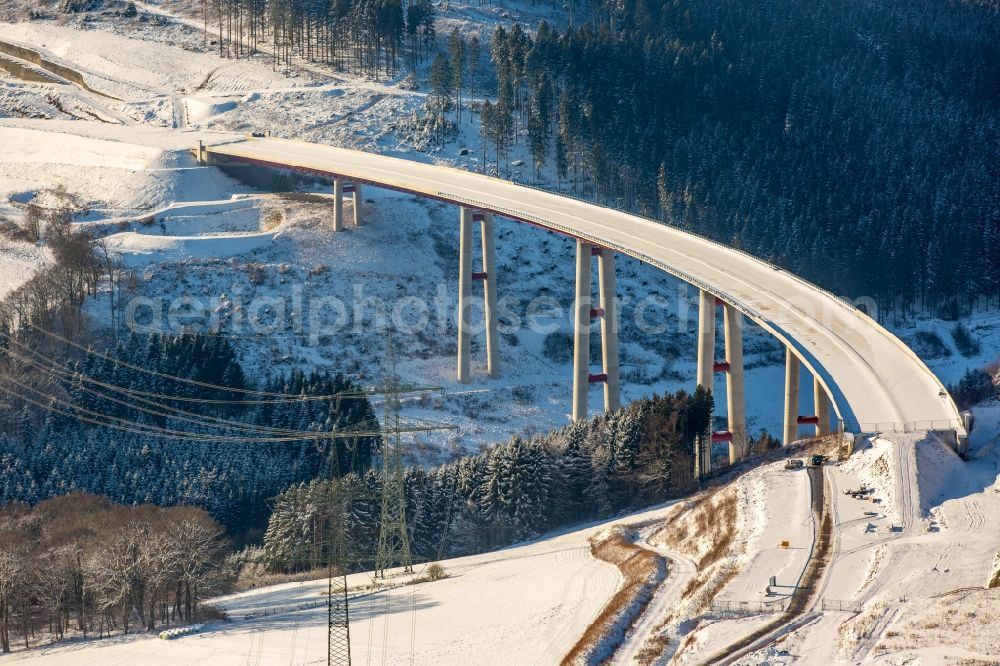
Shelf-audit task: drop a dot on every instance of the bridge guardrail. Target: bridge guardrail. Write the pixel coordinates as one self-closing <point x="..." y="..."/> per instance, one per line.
<point x="911" y="426"/>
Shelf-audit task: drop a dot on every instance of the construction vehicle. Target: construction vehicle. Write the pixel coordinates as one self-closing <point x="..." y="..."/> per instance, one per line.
<point x="816" y="460"/>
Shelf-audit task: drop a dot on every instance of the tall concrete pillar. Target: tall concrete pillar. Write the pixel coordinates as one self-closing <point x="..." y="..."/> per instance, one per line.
<point x="490" y="297"/>
<point x="792" y="365"/>
<point x="338" y="205"/>
<point x="464" y="293"/>
<point x="581" y="332"/>
<point x="734" y="382"/>
<point x="358" y="203"/>
<point x="706" y="340"/>
<point x="609" y="330"/>
<point x="822" y="407"/>
<point x="705" y="371"/>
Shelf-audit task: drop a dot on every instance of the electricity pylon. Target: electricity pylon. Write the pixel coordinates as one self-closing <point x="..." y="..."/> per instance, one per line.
<point x="394" y="543"/>
<point x="393" y="536"/>
<point x="338" y="613"/>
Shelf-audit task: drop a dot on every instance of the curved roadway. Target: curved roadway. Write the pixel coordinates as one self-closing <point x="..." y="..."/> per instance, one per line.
<point x="875" y="382"/>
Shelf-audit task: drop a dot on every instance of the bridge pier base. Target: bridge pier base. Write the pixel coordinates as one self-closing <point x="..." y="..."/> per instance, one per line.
<point x="609" y="330"/>
<point x="822" y="408"/>
<point x="735" y="399"/>
<point x="792" y="365"/>
<point x="338" y="205"/>
<point x="488" y="276"/>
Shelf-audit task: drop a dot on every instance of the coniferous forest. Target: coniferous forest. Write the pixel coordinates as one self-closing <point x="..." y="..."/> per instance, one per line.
<point x="512" y="491"/>
<point x="146" y="423"/>
<point x="855" y="144"/>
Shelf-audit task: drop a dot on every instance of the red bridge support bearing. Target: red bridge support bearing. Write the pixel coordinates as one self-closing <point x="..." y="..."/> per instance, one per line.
<point x="597" y="378"/>
<point x="722" y="436"/>
<point x="807" y="420"/>
<point x="720" y="366"/>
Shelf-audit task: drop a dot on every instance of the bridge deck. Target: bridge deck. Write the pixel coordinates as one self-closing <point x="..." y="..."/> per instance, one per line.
<point x="875" y="381"/>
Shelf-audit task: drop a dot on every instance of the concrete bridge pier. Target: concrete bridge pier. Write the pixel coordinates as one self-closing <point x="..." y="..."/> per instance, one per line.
<point x="464" y="293"/>
<point x="822" y="406"/>
<point x="358" y="201"/>
<point x="338" y="204"/>
<point x="608" y="312"/>
<point x="581" y="331"/>
<point x="340" y="188"/>
<point x="489" y="277"/>
<point x="466" y="276"/>
<point x="706" y="370"/>
<point x="583" y="317"/>
<point x="792" y="366"/>
<point x="706" y="340"/>
<point x="735" y="398"/>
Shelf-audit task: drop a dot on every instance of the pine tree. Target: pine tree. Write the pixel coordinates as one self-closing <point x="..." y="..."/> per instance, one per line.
<point x="441" y="82"/>
<point x="456" y="49"/>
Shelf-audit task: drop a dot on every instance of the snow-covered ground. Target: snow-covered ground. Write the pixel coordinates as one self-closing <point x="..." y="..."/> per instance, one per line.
<point x="526" y="604"/>
<point x="911" y="577"/>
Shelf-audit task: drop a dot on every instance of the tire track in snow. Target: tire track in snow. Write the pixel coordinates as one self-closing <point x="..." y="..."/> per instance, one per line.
<point x="680" y="571"/>
<point x="600" y="575"/>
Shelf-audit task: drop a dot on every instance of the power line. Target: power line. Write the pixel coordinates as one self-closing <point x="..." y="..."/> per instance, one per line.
<point x="217" y="387"/>
<point x="89" y="416"/>
<point x="184" y="415"/>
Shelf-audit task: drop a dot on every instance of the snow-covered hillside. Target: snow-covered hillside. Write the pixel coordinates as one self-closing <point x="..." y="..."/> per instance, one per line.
<point x="526" y="604"/>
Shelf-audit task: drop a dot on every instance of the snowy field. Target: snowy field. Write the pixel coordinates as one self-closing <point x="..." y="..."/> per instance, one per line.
<point x="526" y="604"/>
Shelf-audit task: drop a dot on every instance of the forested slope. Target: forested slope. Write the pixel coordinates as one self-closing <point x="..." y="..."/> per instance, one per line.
<point x="855" y="144"/>
<point x="146" y="424"/>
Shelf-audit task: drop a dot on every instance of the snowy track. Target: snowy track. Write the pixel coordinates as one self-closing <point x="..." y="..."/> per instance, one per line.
<point x="680" y="571"/>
